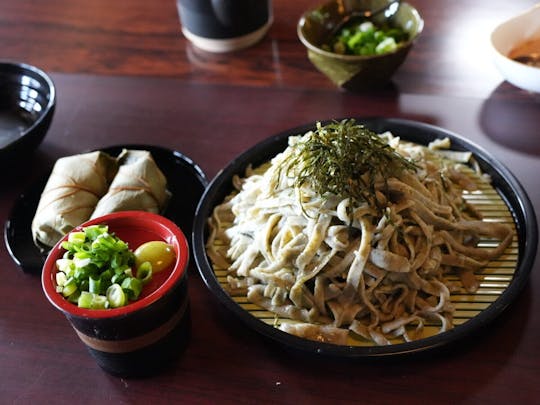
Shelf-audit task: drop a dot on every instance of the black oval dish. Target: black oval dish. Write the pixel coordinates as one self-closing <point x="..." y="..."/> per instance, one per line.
<point x="185" y="178"/>
<point x="502" y="180"/>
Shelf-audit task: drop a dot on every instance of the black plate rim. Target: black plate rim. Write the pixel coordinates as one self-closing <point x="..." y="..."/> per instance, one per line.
<point x="503" y="180"/>
<point x="189" y="165"/>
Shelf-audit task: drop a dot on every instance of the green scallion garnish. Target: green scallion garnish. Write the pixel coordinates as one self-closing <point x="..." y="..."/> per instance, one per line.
<point x="96" y="270"/>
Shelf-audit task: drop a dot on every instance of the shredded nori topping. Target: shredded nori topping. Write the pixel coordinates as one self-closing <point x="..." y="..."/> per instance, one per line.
<point x="345" y="159"/>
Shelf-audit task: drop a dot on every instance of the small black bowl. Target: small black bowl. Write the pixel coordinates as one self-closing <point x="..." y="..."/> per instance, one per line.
<point x="27" y="103"/>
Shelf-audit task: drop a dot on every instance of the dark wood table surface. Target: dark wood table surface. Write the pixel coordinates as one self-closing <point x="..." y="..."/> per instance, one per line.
<point x="124" y="74"/>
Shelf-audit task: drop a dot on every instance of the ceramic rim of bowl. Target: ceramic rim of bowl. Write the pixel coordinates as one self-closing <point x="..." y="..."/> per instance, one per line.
<point x="163" y="227"/>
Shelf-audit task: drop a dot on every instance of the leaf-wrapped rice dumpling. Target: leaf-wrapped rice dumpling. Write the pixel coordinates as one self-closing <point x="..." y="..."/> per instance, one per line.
<point x="138" y="185"/>
<point x="70" y="196"/>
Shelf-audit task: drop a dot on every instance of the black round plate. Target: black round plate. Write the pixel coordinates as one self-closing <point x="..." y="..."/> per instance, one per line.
<point x="185" y="180"/>
<point x="502" y="180"/>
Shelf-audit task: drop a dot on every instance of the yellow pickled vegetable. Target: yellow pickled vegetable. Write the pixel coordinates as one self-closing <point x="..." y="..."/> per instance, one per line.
<point x="160" y="255"/>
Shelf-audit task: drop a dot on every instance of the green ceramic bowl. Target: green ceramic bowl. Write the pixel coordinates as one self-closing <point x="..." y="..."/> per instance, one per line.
<point x="351" y="71"/>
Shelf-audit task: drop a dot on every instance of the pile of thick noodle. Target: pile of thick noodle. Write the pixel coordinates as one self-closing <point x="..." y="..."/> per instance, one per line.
<point x="335" y="267"/>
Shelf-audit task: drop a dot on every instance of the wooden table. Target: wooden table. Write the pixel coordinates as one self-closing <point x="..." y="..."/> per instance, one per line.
<point x="124" y="74"/>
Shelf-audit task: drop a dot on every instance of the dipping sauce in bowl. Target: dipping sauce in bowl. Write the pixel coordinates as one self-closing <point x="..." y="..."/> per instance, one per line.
<point x="513" y="38"/>
<point x="527" y="52"/>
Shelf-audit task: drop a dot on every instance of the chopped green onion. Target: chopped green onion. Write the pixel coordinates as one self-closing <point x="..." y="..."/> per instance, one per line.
<point x="94" y="285"/>
<point x="85" y="299"/>
<point x="69" y="287"/>
<point x="118" y="278"/>
<point x="64" y="265"/>
<point x="144" y="272"/>
<point x="132" y="287"/>
<point x="116" y="296"/>
<point x="106" y="276"/>
<point x="74" y="298"/>
<point x="84" y="285"/>
<point x="366" y="38"/>
<point x="61" y="279"/>
<point x="99" y="302"/>
<point x="386" y="45"/>
<point x="76" y="237"/>
<point x="96" y="271"/>
<point x="81" y="262"/>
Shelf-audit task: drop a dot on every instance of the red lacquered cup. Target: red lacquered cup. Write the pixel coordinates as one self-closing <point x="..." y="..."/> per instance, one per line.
<point x="144" y="336"/>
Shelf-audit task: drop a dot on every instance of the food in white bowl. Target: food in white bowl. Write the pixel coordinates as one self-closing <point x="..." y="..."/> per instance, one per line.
<point x="513" y="38"/>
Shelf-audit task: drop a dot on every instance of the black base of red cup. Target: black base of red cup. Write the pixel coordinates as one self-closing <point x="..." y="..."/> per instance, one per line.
<point x="150" y="360"/>
<point x="141" y="343"/>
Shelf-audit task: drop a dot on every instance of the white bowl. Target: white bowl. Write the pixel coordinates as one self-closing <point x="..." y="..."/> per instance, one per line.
<point x="509" y="34"/>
